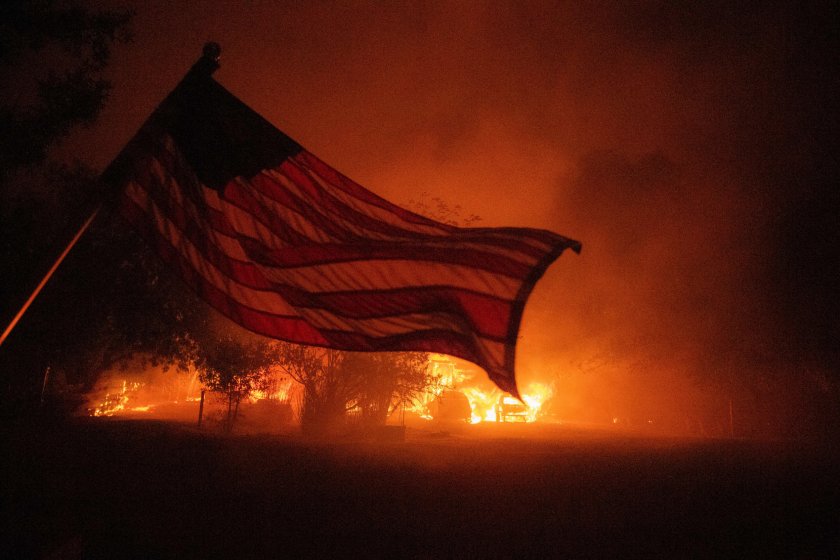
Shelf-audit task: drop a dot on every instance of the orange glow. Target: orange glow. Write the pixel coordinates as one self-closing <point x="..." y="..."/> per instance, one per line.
<point x="280" y="392"/>
<point x="483" y="396"/>
<point x="120" y="393"/>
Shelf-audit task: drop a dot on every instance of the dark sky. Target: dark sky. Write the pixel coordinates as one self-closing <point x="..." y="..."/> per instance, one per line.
<point x="686" y="146"/>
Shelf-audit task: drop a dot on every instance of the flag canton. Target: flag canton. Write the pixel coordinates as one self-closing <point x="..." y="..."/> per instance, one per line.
<point x="220" y="136"/>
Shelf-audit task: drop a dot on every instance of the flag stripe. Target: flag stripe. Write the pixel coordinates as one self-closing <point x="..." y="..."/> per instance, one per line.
<point x="342" y="278"/>
<point x="357" y="192"/>
<point x="514" y="239"/>
<point x="508" y="240"/>
<point x="230" y="250"/>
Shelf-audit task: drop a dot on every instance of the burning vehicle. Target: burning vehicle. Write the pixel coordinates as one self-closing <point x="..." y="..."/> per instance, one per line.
<point x="511" y="409"/>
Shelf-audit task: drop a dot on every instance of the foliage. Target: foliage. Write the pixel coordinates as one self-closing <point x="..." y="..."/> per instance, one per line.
<point x="111" y="299"/>
<point x="335" y="382"/>
<point x="77" y="41"/>
<point x="438" y="209"/>
<point x="387" y="381"/>
<point x="53" y="59"/>
<point x="233" y="367"/>
<point x="326" y="391"/>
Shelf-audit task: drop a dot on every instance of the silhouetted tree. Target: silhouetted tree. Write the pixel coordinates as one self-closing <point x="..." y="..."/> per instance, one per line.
<point x="387" y="380"/>
<point x="53" y="58"/>
<point x="334" y="382"/>
<point x="66" y="88"/>
<point x="233" y="367"/>
<point x="327" y="393"/>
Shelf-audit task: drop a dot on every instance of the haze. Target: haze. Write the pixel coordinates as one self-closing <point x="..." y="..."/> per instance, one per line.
<point x="682" y="145"/>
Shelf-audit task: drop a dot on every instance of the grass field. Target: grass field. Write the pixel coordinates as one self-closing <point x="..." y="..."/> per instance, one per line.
<point x="141" y="489"/>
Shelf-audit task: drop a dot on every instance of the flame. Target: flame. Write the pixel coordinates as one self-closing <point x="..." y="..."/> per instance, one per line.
<point x="142" y="392"/>
<point x="534" y="396"/>
<point x="484" y="398"/>
<point x="115" y="402"/>
<point x="279" y="392"/>
<point x="483" y="403"/>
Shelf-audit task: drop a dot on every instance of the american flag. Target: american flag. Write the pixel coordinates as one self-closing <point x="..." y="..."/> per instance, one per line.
<point x="288" y="247"/>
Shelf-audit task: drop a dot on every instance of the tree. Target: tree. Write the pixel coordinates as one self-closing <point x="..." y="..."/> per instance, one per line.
<point x="326" y="391"/>
<point x="334" y="382"/>
<point x="438" y="209"/>
<point x="386" y="381"/>
<point x="70" y="91"/>
<point x="41" y="200"/>
<point x="233" y="368"/>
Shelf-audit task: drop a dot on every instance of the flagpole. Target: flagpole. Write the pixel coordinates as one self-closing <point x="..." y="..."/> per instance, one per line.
<point x="208" y="62"/>
<point x="49" y="274"/>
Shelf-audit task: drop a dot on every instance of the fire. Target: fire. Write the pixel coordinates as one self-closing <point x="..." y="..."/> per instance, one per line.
<point x="168" y="394"/>
<point x="279" y="391"/>
<point x="459" y="391"/>
<point x="142" y="391"/>
<point x="488" y="403"/>
<point x="483" y="403"/>
<point x="114" y="403"/>
<point x="534" y="396"/>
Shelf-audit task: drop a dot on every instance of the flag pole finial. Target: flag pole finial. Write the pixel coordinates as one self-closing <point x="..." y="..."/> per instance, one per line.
<point x="209" y="61"/>
<point x="212" y="50"/>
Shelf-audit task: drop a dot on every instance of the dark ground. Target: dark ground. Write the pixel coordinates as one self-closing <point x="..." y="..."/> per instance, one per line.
<point x="140" y="489"/>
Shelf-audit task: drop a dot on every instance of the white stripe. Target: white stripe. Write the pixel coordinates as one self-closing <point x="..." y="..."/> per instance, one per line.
<point x="492" y="351"/>
<point x="329" y="214"/>
<point x="244" y="223"/>
<point x="394" y="219"/>
<point x="412" y="270"/>
<point x="385" y="326"/>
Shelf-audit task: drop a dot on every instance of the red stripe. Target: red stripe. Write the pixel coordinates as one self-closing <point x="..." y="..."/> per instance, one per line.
<point x="507" y="238"/>
<point x="488" y="316"/>
<point x="237" y="195"/>
<point x="245" y="201"/>
<point x="276" y="192"/>
<point x="244" y="272"/>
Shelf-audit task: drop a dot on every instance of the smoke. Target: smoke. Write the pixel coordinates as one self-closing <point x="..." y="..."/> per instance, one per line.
<point x="685" y="146"/>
